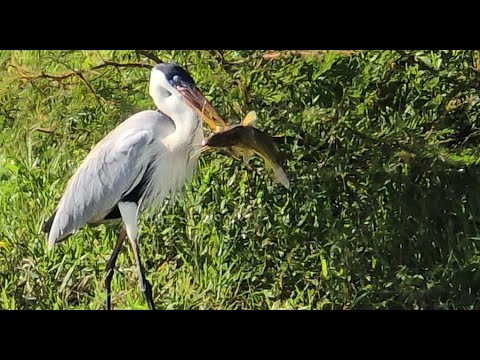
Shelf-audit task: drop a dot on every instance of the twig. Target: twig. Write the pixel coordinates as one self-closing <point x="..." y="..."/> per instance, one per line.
<point x="276" y="54"/>
<point x="52" y="132"/>
<point x="100" y="55"/>
<point x="273" y="54"/>
<point x="90" y="87"/>
<point x="46" y="131"/>
<point x="149" y="55"/>
<point x="79" y="73"/>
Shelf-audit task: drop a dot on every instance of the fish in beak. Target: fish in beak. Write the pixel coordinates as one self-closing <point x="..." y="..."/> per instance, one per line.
<point x="243" y="140"/>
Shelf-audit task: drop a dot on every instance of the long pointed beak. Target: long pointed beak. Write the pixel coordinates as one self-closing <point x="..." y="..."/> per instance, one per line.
<point x="202" y="106"/>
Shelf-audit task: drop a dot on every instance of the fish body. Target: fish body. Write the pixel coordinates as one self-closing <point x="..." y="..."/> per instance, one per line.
<point x="244" y="140"/>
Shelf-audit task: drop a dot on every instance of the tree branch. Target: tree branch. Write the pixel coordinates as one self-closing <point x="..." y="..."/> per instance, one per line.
<point x="79" y="73"/>
<point x="273" y="54"/>
<point x="150" y="55"/>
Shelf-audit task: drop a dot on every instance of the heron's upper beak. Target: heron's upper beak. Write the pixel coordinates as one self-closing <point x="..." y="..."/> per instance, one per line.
<point x="202" y="106"/>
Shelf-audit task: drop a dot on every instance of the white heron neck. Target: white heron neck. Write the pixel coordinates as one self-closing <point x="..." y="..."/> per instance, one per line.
<point x="182" y="115"/>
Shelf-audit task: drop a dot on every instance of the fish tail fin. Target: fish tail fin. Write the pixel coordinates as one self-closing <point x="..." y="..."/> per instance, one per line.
<point x="278" y="172"/>
<point x="281" y="177"/>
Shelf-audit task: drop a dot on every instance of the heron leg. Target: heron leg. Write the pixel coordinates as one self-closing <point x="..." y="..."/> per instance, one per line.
<point x="144" y="284"/>
<point x="129" y="212"/>
<point x="110" y="269"/>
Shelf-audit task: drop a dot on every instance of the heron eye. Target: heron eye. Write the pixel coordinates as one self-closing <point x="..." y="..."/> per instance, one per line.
<point x="176" y="79"/>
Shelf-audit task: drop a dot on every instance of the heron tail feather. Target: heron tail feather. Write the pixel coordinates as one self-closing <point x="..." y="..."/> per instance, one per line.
<point x="47" y="225"/>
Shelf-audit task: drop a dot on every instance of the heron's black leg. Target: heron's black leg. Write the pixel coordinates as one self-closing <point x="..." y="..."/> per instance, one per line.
<point x="110" y="269"/>
<point x="144" y="284"/>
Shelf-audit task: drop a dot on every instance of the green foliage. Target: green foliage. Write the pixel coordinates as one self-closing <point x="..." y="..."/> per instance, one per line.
<point x="381" y="147"/>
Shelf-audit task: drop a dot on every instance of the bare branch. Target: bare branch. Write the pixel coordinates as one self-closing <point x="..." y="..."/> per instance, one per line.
<point x="52" y="132"/>
<point x="120" y="65"/>
<point x="273" y="54"/>
<point x="80" y="73"/>
<point x="150" y="55"/>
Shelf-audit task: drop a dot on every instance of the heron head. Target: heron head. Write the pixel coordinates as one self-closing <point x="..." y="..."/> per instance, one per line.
<point x="172" y="87"/>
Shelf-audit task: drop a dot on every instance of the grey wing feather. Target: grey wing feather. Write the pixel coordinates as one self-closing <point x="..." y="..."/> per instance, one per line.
<point x="111" y="169"/>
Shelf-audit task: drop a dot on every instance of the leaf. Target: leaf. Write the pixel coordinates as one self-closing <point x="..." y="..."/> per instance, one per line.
<point x="324" y="268"/>
<point x="12" y="167"/>
<point x="432" y="82"/>
<point x="326" y="64"/>
<point x="67" y="277"/>
<point x="424" y="59"/>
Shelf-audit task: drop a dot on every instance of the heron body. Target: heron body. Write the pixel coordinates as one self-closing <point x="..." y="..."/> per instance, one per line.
<point x="133" y="163"/>
<point x="137" y="164"/>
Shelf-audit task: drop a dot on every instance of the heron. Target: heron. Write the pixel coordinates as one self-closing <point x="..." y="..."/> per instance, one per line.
<point x="133" y="168"/>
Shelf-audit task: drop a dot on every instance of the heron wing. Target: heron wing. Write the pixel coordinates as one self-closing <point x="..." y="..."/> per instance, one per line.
<point x="112" y="169"/>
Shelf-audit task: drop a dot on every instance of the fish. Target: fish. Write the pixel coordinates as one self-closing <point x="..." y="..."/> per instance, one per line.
<point x="244" y="140"/>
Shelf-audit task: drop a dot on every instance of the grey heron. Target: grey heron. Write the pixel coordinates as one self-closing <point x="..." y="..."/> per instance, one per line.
<point x="134" y="167"/>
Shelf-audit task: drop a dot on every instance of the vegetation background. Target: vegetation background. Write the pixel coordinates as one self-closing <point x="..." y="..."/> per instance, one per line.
<point x="381" y="147"/>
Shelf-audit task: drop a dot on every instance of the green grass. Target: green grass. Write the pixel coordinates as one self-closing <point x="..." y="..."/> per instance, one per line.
<point x="382" y="151"/>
